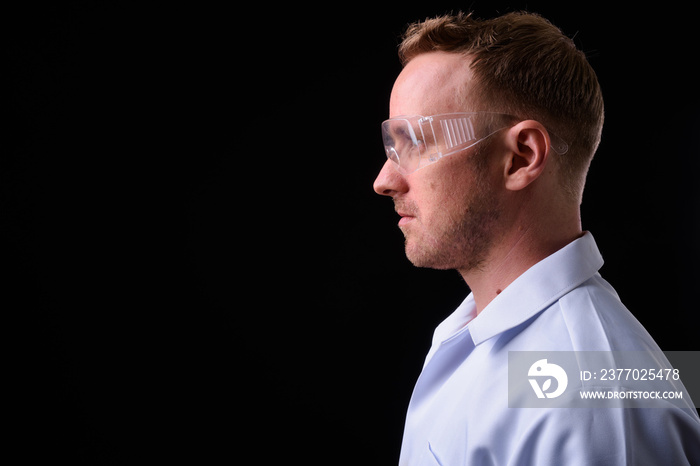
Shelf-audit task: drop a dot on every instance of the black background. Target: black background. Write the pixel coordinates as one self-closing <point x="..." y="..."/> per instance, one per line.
<point x="196" y="266"/>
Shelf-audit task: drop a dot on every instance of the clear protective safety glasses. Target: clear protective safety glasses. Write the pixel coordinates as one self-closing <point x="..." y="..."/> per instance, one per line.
<point x="413" y="142"/>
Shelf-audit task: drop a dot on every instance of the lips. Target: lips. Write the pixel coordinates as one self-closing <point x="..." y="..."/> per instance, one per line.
<point x="405" y="220"/>
<point x="406" y="217"/>
<point x="406" y="210"/>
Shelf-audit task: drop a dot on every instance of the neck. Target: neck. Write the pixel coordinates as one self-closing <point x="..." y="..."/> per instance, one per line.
<point x="515" y="252"/>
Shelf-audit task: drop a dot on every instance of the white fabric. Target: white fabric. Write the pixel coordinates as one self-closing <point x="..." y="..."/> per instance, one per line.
<point x="459" y="414"/>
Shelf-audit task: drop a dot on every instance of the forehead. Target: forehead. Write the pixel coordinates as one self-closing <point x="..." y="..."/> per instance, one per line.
<point x="433" y="83"/>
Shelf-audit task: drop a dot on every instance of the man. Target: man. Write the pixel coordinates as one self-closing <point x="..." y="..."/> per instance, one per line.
<point x="493" y="126"/>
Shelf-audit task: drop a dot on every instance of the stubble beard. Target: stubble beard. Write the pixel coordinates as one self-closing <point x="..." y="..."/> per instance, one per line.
<point x="459" y="240"/>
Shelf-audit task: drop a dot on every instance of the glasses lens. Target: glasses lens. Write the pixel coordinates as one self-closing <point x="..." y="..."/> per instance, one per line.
<point x="402" y="145"/>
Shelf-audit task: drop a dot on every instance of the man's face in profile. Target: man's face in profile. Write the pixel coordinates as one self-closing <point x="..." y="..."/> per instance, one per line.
<point x="448" y="209"/>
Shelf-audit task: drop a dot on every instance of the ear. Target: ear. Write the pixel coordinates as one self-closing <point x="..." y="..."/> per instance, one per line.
<point x="528" y="152"/>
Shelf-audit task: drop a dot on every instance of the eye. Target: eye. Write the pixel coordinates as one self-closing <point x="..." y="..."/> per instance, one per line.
<point x="402" y="134"/>
<point x="402" y="139"/>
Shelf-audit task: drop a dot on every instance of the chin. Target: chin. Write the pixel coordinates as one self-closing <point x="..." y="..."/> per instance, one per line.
<point x="446" y="255"/>
<point x="426" y="257"/>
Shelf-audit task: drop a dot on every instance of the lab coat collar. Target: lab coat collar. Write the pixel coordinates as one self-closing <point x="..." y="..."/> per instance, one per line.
<point x="537" y="288"/>
<point x="532" y="292"/>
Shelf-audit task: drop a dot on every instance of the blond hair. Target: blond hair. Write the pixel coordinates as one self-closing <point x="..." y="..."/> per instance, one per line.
<point x="524" y="65"/>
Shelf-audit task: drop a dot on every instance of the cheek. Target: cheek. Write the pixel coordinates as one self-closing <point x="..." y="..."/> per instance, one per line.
<point x="439" y="203"/>
<point x="442" y="190"/>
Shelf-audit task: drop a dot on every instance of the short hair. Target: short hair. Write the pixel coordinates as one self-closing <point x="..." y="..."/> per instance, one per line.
<point x="524" y="65"/>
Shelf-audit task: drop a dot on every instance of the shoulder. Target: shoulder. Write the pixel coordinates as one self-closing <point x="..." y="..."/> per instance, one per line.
<point x="591" y="317"/>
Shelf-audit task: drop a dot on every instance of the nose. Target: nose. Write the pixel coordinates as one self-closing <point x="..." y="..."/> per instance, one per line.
<point x="390" y="182"/>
